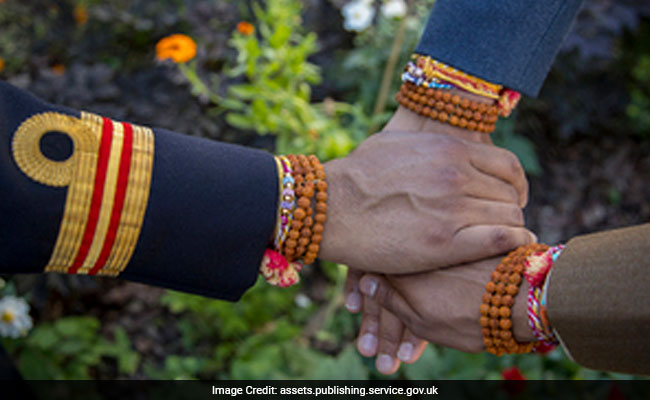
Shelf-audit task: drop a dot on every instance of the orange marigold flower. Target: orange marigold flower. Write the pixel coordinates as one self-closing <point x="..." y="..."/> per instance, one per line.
<point x="2" y="61"/>
<point x="245" y="28"/>
<point x="179" y="48"/>
<point x="58" y="69"/>
<point x="80" y="15"/>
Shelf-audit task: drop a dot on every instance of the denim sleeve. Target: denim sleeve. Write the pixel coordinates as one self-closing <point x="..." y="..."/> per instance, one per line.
<point x="512" y="43"/>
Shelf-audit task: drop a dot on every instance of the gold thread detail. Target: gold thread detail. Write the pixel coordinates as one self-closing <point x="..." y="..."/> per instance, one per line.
<point x="108" y="199"/>
<point x="78" y="173"/>
<point x="137" y="198"/>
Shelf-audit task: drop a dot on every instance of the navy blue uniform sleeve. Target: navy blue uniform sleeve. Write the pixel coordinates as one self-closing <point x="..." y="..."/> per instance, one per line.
<point x="511" y="43"/>
<point x="209" y="214"/>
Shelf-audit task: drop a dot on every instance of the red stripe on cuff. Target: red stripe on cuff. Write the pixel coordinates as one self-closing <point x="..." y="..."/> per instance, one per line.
<point x="98" y="193"/>
<point x="120" y="195"/>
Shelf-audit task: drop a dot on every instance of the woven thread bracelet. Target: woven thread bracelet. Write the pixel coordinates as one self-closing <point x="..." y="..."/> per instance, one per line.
<point x="287" y="202"/>
<point x="496" y="308"/>
<point x="429" y="73"/>
<point x="538" y="267"/>
<point x="298" y="230"/>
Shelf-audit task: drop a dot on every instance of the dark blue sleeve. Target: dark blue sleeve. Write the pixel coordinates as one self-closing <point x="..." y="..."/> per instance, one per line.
<point x="512" y="43"/>
<point x="210" y="213"/>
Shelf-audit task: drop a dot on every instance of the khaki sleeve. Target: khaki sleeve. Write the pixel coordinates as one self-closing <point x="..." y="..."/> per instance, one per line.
<point x="599" y="299"/>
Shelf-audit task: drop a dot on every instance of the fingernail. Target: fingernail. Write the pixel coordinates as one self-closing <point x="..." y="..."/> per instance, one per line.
<point x="353" y="302"/>
<point x="405" y="352"/>
<point x="384" y="363"/>
<point x="368" y="286"/>
<point x="368" y="343"/>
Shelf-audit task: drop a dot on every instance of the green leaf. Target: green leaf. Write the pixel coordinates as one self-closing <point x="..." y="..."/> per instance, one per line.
<point x="34" y="364"/>
<point x="428" y="367"/>
<point x="239" y="121"/>
<point x="43" y="337"/>
<point x="243" y="92"/>
<point x="347" y="365"/>
<point x="280" y="36"/>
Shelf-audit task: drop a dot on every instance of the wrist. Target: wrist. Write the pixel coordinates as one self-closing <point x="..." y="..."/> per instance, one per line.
<point x="405" y="120"/>
<point x="332" y="244"/>
<point x="520" y="326"/>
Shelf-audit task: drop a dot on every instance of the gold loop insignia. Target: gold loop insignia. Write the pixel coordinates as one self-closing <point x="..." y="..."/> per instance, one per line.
<point x="108" y="177"/>
<point x="30" y="159"/>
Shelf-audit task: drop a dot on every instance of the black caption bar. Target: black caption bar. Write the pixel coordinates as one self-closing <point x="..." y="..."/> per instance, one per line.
<point x="198" y="390"/>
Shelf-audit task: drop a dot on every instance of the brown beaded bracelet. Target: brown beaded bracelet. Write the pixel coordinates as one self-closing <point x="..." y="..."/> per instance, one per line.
<point x="306" y="230"/>
<point x="442" y="106"/>
<point x="321" y="211"/>
<point x="448" y="108"/>
<point x="431" y="97"/>
<point x="498" y="300"/>
<point x="299" y="234"/>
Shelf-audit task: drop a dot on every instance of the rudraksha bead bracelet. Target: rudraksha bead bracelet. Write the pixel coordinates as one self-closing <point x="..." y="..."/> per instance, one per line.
<point x="448" y="108"/>
<point x="302" y="213"/>
<point x="498" y="300"/>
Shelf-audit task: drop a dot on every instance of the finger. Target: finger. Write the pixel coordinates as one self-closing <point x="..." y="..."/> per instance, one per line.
<point x="411" y="348"/>
<point x="487" y="212"/>
<point x="369" y="332"/>
<point x="484" y="186"/>
<point x="483" y="241"/>
<point x="501" y="164"/>
<point x="390" y="335"/>
<point x="353" y="297"/>
<point x="377" y="288"/>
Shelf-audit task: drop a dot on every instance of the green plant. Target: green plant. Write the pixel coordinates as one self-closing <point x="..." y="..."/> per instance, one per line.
<point x="276" y="96"/>
<point x="266" y="335"/>
<point x="360" y="70"/>
<point x="69" y="348"/>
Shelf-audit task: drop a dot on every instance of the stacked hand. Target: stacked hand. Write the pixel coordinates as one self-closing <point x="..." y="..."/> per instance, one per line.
<point x="410" y="204"/>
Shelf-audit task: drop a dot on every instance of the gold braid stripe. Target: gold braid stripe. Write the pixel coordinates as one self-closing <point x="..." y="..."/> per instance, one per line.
<point x="137" y="198"/>
<point x="78" y="173"/>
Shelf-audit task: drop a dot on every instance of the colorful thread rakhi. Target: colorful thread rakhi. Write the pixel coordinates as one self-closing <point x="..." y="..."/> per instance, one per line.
<point x="425" y="71"/>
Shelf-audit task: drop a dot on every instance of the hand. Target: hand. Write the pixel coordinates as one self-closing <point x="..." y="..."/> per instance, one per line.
<point x="379" y="322"/>
<point x="440" y="306"/>
<point x="412" y="202"/>
<point x="381" y="332"/>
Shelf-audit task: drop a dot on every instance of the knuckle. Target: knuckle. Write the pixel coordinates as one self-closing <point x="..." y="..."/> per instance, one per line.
<point x="450" y="146"/>
<point x="513" y="194"/>
<point x="438" y="234"/>
<point x="515" y="166"/>
<point x="371" y="322"/>
<point x="390" y="336"/>
<point x="502" y="239"/>
<point x="452" y="176"/>
<point x="517" y="216"/>
<point x="385" y="296"/>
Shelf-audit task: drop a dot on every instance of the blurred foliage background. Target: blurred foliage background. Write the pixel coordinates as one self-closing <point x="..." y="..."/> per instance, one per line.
<point x="301" y="82"/>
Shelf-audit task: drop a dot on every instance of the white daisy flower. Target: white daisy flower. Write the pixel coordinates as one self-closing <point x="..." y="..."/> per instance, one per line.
<point x="393" y="8"/>
<point x="358" y="15"/>
<point x="14" y="317"/>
